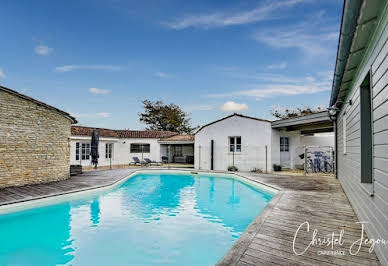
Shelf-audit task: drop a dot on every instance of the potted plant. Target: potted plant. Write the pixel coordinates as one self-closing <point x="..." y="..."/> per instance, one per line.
<point x="277" y="167"/>
<point x="232" y="168"/>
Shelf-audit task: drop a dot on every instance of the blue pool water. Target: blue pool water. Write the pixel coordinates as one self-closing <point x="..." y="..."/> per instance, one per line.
<point x="158" y="218"/>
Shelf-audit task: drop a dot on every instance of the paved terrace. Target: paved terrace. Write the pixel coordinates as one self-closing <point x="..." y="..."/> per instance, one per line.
<point x="269" y="239"/>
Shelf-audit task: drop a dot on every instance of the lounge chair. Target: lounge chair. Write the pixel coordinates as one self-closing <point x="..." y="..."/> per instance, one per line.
<point x="147" y="160"/>
<point x="136" y="161"/>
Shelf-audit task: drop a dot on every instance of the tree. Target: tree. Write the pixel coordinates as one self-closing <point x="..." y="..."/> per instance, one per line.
<point x="291" y="113"/>
<point x="166" y="117"/>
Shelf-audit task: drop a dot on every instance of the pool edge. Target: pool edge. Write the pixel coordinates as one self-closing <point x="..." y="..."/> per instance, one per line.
<point x="237" y="250"/>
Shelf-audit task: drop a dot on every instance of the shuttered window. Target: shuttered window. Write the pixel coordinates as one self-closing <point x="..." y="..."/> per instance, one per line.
<point x="109" y="150"/>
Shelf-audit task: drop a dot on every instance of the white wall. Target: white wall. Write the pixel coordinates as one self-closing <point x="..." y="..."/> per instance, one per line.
<point x="294" y="141"/>
<point x="255" y="135"/>
<point x="121" y="150"/>
<point x="297" y="143"/>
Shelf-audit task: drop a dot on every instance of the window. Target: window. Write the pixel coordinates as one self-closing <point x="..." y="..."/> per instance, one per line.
<point x="109" y="150"/>
<point x="284" y="144"/>
<point x="178" y="151"/>
<point x="234" y="144"/>
<point x="77" y="151"/>
<point x="82" y="150"/>
<point x="366" y="132"/>
<point x="140" y="148"/>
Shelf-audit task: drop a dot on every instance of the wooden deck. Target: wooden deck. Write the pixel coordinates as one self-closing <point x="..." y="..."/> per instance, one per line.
<point x="269" y="239"/>
<point x="315" y="199"/>
<point x="88" y="180"/>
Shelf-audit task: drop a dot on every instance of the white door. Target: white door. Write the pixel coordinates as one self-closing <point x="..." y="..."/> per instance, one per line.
<point x="285" y="158"/>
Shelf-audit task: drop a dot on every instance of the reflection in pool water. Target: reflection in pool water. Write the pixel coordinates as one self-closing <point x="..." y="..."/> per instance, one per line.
<point x="157" y="218"/>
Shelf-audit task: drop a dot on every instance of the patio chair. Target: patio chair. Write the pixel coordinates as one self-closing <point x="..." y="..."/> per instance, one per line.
<point x="136" y="161"/>
<point x="164" y="159"/>
<point x="150" y="162"/>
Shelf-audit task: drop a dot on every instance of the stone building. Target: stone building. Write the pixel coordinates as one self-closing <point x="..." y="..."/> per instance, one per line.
<point x="34" y="140"/>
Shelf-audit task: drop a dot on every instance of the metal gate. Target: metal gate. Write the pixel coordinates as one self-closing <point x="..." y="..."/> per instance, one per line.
<point x="318" y="159"/>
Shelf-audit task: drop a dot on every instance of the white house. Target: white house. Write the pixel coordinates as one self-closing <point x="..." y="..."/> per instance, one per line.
<point x="234" y="140"/>
<point x="252" y="143"/>
<point x="118" y="147"/>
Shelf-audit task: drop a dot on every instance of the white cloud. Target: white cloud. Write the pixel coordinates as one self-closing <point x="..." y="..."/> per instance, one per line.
<point x="281" y="65"/>
<point x="313" y="37"/>
<point x="103" y="115"/>
<point x="89" y="115"/>
<point x="200" y="107"/>
<point x="98" y="91"/>
<point x="162" y="75"/>
<point x="68" y="68"/>
<point x="2" y="74"/>
<point x="80" y="115"/>
<point x="43" y="50"/>
<point x="222" y="19"/>
<point x="278" y="85"/>
<point x="231" y="106"/>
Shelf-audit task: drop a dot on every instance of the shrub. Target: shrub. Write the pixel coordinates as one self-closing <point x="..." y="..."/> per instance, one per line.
<point x="232" y="168"/>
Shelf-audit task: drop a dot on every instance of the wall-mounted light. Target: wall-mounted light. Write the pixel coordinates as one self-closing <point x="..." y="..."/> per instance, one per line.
<point x="333" y="110"/>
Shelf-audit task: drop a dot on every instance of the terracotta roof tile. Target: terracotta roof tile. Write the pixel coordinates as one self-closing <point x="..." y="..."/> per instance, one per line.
<point x="141" y="134"/>
<point x="185" y="137"/>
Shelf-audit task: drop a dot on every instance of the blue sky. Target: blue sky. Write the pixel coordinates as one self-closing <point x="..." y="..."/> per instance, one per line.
<point x="98" y="59"/>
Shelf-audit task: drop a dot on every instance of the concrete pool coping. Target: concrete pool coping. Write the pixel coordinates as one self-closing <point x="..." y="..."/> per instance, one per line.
<point x="267" y="240"/>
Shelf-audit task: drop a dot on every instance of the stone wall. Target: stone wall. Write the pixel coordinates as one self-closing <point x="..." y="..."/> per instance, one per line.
<point x="34" y="142"/>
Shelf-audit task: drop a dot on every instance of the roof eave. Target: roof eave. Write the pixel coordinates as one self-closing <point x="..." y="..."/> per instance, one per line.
<point x="350" y="14"/>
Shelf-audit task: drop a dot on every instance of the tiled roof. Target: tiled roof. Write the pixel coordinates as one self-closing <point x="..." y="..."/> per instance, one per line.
<point x="185" y="137"/>
<point x="141" y="134"/>
<point x="25" y="97"/>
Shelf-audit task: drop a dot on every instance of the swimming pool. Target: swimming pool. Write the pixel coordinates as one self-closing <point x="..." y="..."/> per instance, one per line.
<point x="151" y="218"/>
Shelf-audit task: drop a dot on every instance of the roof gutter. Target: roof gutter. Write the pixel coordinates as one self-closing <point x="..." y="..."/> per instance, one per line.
<point x="350" y="14"/>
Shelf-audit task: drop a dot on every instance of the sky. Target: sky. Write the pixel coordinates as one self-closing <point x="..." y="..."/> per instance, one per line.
<point x="98" y="59"/>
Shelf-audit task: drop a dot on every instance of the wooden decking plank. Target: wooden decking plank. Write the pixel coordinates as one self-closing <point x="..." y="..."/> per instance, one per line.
<point x="287" y="256"/>
<point x="277" y="246"/>
<point x="321" y="227"/>
<point x="268" y="257"/>
<point x="280" y="234"/>
<point x="257" y="260"/>
<point x="242" y="263"/>
<point x="321" y="231"/>
<point x="313" y="250"/>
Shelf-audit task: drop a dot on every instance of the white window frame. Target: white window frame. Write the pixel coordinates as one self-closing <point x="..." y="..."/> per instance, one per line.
<point x="285" y="147"/>
<point x="180" y="149"/>
<point x="82" y="150"/>
<point x="234" y="147"/>
<point x="109" y="150"/>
